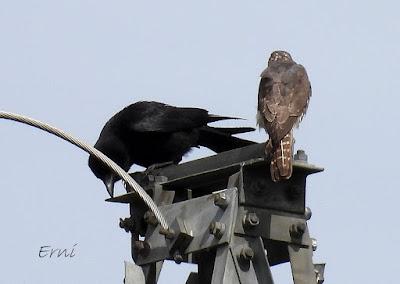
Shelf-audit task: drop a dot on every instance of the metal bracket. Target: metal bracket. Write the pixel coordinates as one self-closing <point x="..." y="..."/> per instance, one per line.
<point x="302" y="266"/>
<point x="319" y="270"/>
<point x="197" y="216"/>
<point x="133" y="274"/>
<point x="243" y="261"/>
<point x="234" y="235"/>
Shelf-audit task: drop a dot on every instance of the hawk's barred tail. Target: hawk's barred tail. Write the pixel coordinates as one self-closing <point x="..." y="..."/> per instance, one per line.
<point x="281" y="161"/>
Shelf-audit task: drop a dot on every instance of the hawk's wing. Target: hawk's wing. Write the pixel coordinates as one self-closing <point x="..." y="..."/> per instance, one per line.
<point x="283" y="97"/>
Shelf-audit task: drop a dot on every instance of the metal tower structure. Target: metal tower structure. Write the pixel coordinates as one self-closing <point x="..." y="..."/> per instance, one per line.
<point x="227" y="216"/>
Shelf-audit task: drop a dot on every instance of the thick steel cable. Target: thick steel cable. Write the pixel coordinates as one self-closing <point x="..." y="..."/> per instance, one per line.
<point x="93" y="151"/>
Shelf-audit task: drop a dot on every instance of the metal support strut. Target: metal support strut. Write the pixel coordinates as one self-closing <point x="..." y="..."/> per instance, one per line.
<point x="227" y="216"/>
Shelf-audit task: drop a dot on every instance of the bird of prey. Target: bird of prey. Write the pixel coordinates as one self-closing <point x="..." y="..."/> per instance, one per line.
<point x="283" y="97"/>
<point x="148" y="133"/>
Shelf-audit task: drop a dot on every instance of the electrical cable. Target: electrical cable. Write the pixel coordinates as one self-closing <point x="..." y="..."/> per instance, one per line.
<point x="93" y="151"/>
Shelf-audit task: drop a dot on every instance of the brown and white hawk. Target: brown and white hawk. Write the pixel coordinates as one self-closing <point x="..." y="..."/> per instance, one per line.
<point x="283" y="97"/>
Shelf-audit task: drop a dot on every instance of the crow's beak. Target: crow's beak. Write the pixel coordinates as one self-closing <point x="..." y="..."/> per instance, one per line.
<point x="109" y="183"/>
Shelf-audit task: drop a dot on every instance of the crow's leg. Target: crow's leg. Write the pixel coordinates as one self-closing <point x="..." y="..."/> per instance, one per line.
<point x="158" y="166"/>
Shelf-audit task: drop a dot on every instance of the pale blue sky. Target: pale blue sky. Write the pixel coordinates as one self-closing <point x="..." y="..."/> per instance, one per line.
<point x="75" y="63"/>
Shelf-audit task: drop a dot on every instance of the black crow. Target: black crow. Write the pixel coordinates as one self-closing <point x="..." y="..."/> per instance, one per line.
<point x="149" y="133"/>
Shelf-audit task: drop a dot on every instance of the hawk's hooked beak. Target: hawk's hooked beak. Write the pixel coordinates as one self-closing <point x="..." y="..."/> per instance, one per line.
<point x="109" y="183"/>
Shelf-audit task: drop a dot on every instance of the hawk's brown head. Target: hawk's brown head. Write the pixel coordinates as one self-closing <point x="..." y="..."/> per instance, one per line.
<point x="280" y="56"/>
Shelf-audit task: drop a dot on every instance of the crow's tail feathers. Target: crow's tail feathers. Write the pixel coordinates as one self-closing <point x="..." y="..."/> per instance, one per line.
<point x="214" y="117"/>
<point x="233" y="130"/>
<point x="221" y="139"/>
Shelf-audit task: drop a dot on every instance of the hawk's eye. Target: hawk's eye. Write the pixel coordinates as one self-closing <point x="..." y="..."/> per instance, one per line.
<point x="267" y="87"/>
<point x="267" y="83"/>
<point x="266" y="80"/>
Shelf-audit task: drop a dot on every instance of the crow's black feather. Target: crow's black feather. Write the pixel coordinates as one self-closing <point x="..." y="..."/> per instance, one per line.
<point x="148" y="133"/>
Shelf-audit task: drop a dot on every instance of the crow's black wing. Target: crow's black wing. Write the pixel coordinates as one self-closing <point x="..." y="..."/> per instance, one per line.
<point x="163" y="118"/>
<point x="158" y="117"/>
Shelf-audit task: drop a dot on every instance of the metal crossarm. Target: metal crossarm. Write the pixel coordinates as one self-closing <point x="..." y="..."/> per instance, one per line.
<point x="227" y="216"/>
